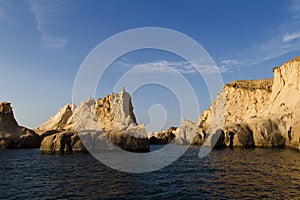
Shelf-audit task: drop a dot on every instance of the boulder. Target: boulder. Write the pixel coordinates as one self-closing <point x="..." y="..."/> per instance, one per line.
<point x="57" y="143"/>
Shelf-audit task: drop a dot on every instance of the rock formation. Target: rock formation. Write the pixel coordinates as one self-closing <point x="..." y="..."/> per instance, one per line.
<point x="11" y="134"/>
<point x="162" y="137"/>
<point x="61" y="121"/>
<point x="188" y="133"/>
<point x="263" y="113"/>
<point x="100" y="124"/>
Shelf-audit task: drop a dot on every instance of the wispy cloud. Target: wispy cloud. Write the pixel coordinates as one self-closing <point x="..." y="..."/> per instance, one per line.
<point x="291" y="36"/>
<point x="295" y="6"/>
<point x="183" y="67"/>
<point x="46" y="13"/>
<point x="282" y="40"/>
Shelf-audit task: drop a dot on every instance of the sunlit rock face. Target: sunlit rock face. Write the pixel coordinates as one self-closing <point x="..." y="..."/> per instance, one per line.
<point x="263" y="113"/>
<point x="106" y="123"/>
<point x="187" y="134"/>
<point x="11" y="134"/>
<point x="63" y="120"/>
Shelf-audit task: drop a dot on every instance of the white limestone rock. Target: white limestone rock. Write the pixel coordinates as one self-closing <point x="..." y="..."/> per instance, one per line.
<point x="101" y="125"/>
<point x="60" y="121"/>
<point x="267" y="109"/>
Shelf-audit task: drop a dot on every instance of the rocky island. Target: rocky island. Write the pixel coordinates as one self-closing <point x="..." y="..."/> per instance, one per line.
<point x="93" y="124"/>
<point x="246" y="113"/>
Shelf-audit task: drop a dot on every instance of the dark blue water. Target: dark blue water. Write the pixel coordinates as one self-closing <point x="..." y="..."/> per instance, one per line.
<point x="223" y="174"/>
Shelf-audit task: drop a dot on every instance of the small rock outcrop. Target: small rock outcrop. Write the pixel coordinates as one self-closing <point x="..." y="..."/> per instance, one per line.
<point x="95" y="125"/>
<point x="262" y="113"/>
<point x="11" y="134"/>
<point x="188" y="134"/>
<point x="162" y="137"/>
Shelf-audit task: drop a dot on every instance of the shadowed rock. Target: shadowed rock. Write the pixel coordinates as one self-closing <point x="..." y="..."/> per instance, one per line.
<point x="11" y="134"/>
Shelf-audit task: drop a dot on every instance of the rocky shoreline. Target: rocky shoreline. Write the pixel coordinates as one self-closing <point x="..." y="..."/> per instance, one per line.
<point x="252" y="113"/>
<point x="259" y="113"/>
<point x="246" y="113"/>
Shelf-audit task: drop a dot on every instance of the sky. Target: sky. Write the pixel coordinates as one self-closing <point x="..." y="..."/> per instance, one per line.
<point x="44" y="43"/>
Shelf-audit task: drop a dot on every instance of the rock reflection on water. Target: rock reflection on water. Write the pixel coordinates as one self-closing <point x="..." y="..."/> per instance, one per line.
<point x="224" y="173"/>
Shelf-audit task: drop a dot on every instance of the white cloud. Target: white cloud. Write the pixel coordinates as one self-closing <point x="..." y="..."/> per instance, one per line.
<point x="45" y="13"/>
<point x="184" y="67"/>
<point x="54" y="43"/>
<point x="291" y="36"/>
<point x="230" y="62"/>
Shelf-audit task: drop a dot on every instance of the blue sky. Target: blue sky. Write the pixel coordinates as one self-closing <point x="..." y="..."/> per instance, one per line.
<point x="43" y="43"/>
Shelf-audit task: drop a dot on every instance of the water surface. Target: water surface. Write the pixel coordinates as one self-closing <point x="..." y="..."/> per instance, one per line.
<point x="223" y="174"/>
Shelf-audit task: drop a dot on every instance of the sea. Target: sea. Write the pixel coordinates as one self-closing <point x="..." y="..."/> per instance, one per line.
<point x="223" y="174"/>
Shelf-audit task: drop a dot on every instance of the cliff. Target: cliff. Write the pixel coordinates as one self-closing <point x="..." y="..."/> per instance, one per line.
<point x="96" y="124"/>
<point x="11" y="134"/>
<point x="263" y="113"/>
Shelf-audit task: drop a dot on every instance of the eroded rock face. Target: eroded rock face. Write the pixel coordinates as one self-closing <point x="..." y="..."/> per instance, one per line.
<point x="115" y="111"/>
<point x="263" y="113"/>
<point x="61" y="121"/>
<point x="11" y="134"/>
<point x="187" y="134"/>
<point x="104" y="124"/>
<point x="162" y="137"/>
<point x="57" y="143"/>
<point x="239" y="135"/>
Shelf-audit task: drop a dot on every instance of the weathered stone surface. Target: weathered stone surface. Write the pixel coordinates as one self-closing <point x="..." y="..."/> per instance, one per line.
<point x="11" y="134"/>
<point x="99" y="124"/>
<point x="115" y="111"/>
<point x="162" y="137"/>
<point x="187" y="134"/>
<point x="239" y="135"/>
<point x="263" y="113"/>
<point x="57" y="143"/>
<point x="61" y="121"/>
<point x="266" y="133"/>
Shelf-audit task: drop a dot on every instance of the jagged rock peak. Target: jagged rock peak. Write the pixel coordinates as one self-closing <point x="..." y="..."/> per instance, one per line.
<point x="114" y="109"/>
<point x="5" y="107"/>
<point x="108" y="120"/>
<point x="61" y="120"/>
<point x="111" y="111"/>
<point x="7" y="119"/>
<point x="11" y="134"/>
